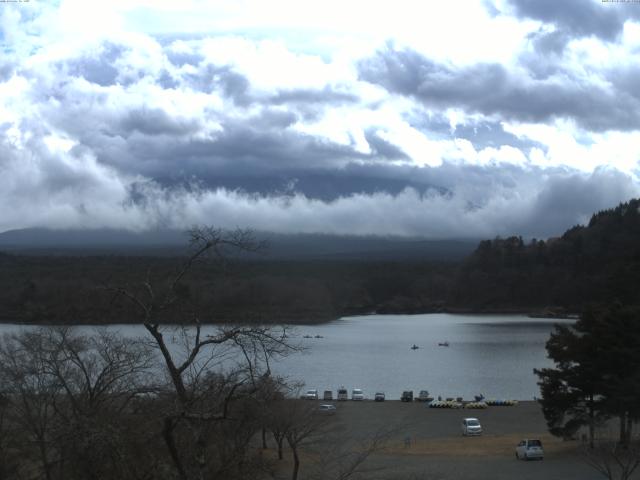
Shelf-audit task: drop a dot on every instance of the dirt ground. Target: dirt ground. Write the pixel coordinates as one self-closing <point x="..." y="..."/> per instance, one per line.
<point x="427" y="443"/>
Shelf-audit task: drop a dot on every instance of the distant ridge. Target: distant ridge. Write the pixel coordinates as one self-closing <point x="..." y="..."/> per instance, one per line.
<point x="280" y="246"/>
<point x="89" y="238"/>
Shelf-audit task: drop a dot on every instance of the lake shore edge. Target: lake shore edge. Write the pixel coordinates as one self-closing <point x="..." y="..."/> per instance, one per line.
<point x="535" y="313"/>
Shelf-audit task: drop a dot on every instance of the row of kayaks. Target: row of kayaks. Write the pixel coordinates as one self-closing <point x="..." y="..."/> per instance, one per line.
<point x="472" y="405"/>
<point x="501" y="403"/>
<point x="451" y="404"/>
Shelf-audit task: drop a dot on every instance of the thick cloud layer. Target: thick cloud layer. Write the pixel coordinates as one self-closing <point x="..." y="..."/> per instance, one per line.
<point x="140" y="130"/>
<point x="491" y="89"/>
<point x="579" y="18"/>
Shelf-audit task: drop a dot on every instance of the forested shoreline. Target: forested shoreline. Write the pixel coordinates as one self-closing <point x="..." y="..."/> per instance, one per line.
<point x="596" y="263"/>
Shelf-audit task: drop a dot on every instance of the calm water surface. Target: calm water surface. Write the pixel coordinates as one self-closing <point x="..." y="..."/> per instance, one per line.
<point x="490" y="354"/>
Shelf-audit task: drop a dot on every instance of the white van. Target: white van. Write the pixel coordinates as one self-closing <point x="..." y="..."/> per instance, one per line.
<point x="471" y="426"/>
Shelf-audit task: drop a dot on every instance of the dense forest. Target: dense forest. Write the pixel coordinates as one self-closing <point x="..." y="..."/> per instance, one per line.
<point x="599" y="262"/>
<point x="592" y="263"/>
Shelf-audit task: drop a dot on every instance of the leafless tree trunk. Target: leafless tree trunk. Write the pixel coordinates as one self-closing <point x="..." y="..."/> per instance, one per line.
<point x="200" y="402"/>
<point x="301" y="423"/>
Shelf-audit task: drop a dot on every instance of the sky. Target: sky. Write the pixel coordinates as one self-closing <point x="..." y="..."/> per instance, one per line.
<point x="465" y="119"/>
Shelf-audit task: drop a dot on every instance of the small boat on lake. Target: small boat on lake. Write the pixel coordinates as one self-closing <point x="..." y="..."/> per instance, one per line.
<point x="319" y="336"/>
<point x="307" y="336"/>
<point x="443" y="344"/>
<point x="414" y="347"/>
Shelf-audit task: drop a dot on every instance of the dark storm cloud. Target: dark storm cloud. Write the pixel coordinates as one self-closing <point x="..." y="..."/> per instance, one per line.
<point x="381" y="147"/>
<point x="574" y="19"/>
<point x="567" y="200"/>
<point x="481" y="133"/>
<point x="484" y="134"/>
<point x="7" y="69"/>
<point x="330" y="184"/>
<point x="166" y="80"/>
<point x="149" y="142"/>
<point x="326" y="185"/>
<point x="163" y="135"/>
<point x="625" y="79"/>
<point x="98" y="68"/>
<point x="155" y="121"/>
<point x="579" y="18"/>
<point x="180" y="59"/>
<point x="491" y="89"/>
<point x="212" y="78"/>
<point x="310" y="96"/>
<point x="358" y="198"/>
<point x="550" y="43"/>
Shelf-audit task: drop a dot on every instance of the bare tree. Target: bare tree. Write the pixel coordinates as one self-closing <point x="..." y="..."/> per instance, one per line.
<point x="278" y="422"/>
<point x="67" y="394"/>
<point x="99" y="376"/>
<point x="8" y="463"/>
<point x="301" y="424"/>
<point x="31" y="395"/>
<point x="202" y="401"/>
<point x="613" y="460"/>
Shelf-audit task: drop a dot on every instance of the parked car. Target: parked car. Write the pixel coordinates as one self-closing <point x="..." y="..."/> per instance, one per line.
<point x="379" y="397"/>
<point x="424" y="396"/>
<point x="471" y="426"/>
<point x="311" y="395"/>
<point x="407" y="396"/>
<point x="328" y="395"/>
<point x="327" y="409"/>
<point x="529" y="449"/>
<point x="357" y="394"/>
<point x="343" y="394"/>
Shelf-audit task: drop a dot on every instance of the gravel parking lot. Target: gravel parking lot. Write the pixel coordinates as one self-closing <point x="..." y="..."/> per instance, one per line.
<point x="427" y="443"/>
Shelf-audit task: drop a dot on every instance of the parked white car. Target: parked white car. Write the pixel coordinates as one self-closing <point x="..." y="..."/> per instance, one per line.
<point x="357" y="394"/>
<point x="327" y="409"/>
<point x="311" y="395"/>
<point x="471" y="426"/>
<point x="530" y="449"/>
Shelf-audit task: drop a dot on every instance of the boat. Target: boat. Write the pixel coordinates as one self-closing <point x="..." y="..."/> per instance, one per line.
<point x="319" y="336"/>
<point x="414" y="347"/>
<point x="443" y="344"/>
<point x="307" y="336"/>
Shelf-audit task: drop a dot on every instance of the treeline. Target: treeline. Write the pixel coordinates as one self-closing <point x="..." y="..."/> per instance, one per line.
<point x="73" y="289"/>
<point x="599" y="262"/>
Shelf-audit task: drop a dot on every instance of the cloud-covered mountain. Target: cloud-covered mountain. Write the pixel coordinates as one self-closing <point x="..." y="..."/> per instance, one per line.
<point x="276" y="246"/>
<point x="144" y="118"/>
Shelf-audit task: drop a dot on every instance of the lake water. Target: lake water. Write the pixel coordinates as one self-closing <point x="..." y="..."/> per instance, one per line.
<point x="490" y="354"/>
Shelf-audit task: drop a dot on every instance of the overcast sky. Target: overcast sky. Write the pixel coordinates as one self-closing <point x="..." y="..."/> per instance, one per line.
<point x="451" y="119"/>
